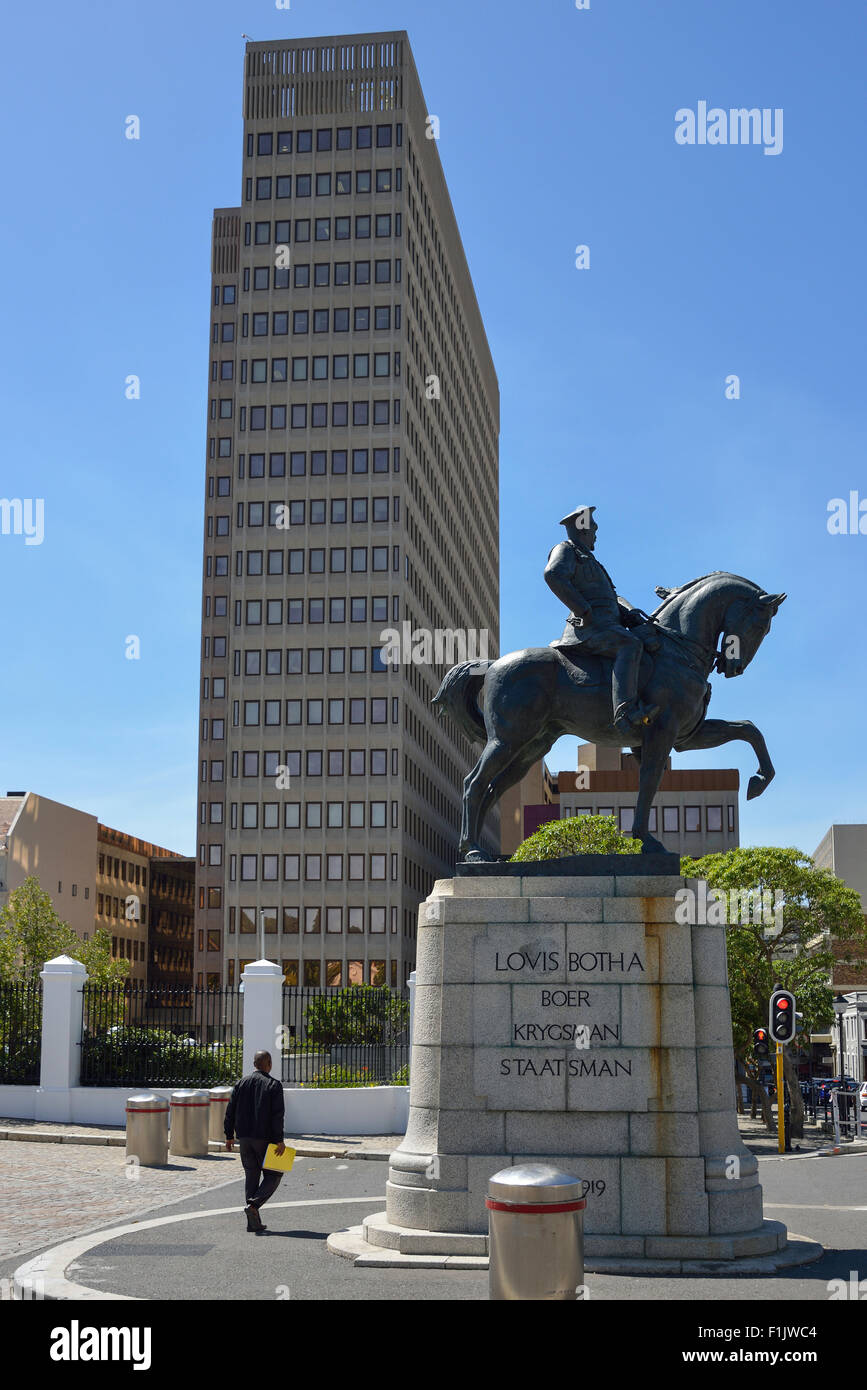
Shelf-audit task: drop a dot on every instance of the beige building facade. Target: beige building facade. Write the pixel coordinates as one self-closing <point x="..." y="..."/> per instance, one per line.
<point x="100" y="877"/>
<point x="351" y="493"/>
<point x="843" y="852"/>
<point x="695" y="811"/>
<point x="56" y="844"/>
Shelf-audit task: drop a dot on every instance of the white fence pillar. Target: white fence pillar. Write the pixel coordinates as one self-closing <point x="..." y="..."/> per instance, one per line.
<point x="63" y="980"/>
<point x="263" y="1012"/>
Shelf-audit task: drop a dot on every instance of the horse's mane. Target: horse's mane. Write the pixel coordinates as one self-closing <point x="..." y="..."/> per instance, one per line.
<point x="672" y="594"/>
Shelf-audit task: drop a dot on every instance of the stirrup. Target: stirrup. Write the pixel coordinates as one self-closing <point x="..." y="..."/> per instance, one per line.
<point x="624" y="722"/>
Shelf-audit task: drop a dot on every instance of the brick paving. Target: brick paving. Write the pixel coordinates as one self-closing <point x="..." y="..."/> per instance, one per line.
<point x="52" y="1192"/>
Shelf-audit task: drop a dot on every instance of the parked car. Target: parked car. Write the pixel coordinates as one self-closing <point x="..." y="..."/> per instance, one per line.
<point x="863" y="1095"/>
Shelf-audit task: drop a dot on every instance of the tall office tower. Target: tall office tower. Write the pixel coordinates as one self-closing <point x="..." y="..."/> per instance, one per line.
<point x="352" y="487"/>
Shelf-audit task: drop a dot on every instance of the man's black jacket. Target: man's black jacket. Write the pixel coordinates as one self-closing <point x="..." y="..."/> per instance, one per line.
<point x="255" y="1110"/>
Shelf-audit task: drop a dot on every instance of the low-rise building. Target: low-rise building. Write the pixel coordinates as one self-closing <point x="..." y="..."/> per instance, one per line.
<point x="44" y="839"/>
<point x="172" y="906"/>
<point x="695" y="811"/>
<point x="100" y="877"/>
<point x="843" y="851"/>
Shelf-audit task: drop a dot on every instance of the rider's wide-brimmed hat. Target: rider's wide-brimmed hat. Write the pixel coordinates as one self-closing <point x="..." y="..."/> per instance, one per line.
<point x="585" y="512"/>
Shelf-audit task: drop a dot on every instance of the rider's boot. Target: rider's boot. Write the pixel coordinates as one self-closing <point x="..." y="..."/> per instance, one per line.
<point x="632" y="718"/>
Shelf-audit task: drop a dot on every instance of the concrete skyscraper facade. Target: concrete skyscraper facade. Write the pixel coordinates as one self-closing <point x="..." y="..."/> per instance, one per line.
<point x="351" y="488"/>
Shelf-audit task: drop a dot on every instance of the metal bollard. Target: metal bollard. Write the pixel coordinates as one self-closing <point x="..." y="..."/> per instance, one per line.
<point x="220" y="1096"/>
<point x="189" y="1124"/>
<point x="147" y="1130"/>
<point x="536" y="1227"/>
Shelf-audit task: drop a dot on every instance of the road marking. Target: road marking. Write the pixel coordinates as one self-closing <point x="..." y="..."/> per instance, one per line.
<point x="46" y="1273"/>
<point x="809" y="1206"/>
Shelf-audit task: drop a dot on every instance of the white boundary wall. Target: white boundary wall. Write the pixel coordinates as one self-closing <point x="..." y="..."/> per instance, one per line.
<point x="343" y="1110"/>
<point x="59" y="1099"/>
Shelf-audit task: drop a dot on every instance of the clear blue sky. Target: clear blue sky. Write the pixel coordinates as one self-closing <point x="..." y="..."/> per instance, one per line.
<point x="557" y="128"/>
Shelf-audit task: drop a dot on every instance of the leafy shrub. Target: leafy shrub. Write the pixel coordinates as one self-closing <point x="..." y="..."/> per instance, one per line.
<point x="19" y="1057"/>
<point x="357" y="1014"/>
<point x="154" y="1056"/>
<point x="400" y="1077"/>
<point x="342" y="1076"/>
<point x="576" y="835"/>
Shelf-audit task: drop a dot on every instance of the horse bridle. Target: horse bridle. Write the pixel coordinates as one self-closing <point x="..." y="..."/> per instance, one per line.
<point x="701" y="657"/>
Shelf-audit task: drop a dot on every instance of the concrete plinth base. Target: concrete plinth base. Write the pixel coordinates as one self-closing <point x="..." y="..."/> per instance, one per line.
<point x="579" y="1020"/>
<point x="376" y="1244"/>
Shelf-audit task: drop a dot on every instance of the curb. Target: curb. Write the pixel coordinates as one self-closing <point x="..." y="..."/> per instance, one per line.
<point x="36" y="1136"/>
<point x="118" y="1141"/>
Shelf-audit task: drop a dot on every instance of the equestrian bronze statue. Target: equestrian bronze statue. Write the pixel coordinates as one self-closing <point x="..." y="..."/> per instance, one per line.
<point x="617" y="676"/>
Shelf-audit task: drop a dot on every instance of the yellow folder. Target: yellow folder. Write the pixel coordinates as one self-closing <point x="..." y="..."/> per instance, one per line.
<point x="279" y="1163"/>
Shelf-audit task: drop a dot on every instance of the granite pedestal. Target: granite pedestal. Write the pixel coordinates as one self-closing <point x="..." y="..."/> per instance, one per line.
<point x="571" y="1020"/>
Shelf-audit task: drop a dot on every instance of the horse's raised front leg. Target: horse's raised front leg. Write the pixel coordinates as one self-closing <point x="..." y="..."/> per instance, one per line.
<point x="654" y="755"/>
<point x="714" y="732"/>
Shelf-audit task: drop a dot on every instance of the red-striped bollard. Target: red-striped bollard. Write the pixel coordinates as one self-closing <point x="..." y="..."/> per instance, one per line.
<point x="189" y="1124"/>
<point x="536" y="1233"/>
<point x="147" y="1130"/>
<point x="220" y="1097"/>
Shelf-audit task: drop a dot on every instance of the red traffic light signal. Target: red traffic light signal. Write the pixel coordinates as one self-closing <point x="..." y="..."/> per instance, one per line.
<point x="781" y="1016"/>
<point x="760" y="1042"/>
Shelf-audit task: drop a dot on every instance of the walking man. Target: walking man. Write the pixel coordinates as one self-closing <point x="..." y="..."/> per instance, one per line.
<point x="255" y="1114"/>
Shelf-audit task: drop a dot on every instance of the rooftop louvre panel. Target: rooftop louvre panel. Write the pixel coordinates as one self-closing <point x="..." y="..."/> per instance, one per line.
<point x="280" y="78"/>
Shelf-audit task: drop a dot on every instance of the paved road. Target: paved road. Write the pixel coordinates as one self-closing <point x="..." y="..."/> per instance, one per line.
<point x="213" y="1257"/>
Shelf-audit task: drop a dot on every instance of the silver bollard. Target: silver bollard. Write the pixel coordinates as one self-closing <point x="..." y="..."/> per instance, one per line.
<point x="147" y="1130"/>
<point x="189" y="1124"/>
<point x="220" y="1096"/>
<point x="536" y="1229"/>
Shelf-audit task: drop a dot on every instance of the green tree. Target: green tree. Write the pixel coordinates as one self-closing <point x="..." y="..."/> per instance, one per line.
<point x="793" y="950"/>
<point x="576" y="835"/>
<point x="31" y="932"/>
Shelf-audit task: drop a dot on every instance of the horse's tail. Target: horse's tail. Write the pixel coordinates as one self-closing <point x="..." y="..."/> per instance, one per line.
<point x="458" y="696"/>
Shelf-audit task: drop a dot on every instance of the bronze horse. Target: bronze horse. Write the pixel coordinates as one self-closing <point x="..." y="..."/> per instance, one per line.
<point x="523" y="702"/>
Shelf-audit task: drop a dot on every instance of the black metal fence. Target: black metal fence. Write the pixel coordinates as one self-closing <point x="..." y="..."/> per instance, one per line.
<point x="20" y="1032"/>
<point x="356" y="1036"/>
<point x="134" y="1034"/>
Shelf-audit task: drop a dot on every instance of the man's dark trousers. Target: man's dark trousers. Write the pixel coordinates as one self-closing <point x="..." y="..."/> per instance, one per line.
<point x="261" y="1183"/>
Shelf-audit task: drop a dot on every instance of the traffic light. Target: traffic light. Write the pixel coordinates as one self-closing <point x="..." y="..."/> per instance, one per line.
<point x="760" y="1042"/>
<point x="781" y="1016"/>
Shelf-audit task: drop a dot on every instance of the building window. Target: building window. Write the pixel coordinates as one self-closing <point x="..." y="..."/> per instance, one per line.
<point x="714" y="818"/>
<point x="670" y="820"/>
<point x="692" y="819"/>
